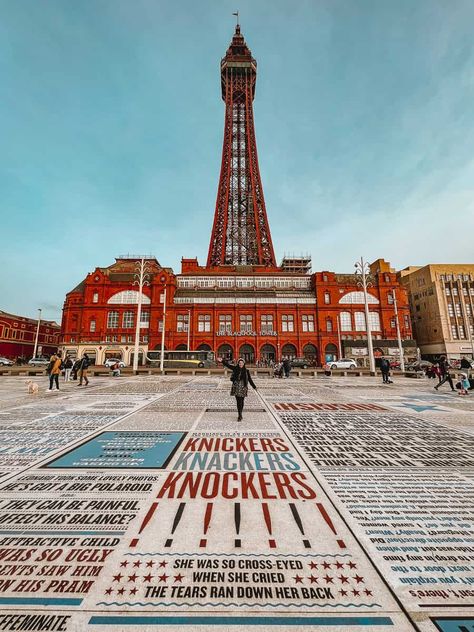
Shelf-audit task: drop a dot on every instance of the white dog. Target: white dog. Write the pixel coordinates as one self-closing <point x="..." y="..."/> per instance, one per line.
<point x="32" y="387"/>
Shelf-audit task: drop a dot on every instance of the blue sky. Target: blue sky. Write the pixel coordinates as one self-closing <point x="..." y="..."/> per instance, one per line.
<point x="111" y="127"/>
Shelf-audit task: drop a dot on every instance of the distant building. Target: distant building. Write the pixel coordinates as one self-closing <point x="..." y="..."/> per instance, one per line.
<point x="17" y="336"/>
<point x="442" y="307"/>
<point x="240" y="304"/>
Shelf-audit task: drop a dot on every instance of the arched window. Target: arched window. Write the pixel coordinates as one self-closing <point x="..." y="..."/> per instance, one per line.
<point x="128" y="297"/>
<point x="359" y="321"/>
<point x="374" y="320"/>
<point x="345" y="321"/>
<point x="357" y="298"/>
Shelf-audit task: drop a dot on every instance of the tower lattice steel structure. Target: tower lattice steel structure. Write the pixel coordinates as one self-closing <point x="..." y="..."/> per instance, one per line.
<point x="240" y="233"/>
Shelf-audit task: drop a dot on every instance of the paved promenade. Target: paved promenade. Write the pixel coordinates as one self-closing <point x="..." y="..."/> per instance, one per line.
<point x="139" y="503"/>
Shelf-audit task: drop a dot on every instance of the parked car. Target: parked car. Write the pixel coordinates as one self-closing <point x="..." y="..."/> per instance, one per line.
<point x="5" y="362"/>
<point x="39" y="362"/>
<point x="422" y="366"/>
<point x="300" y="363"/>
<point x="395" y="364"/>
<point x="109" y="363"/>
<point x="344" y="363"/>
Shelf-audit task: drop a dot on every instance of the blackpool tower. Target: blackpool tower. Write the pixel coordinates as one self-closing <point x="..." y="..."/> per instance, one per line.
<point x="240" y="233"/>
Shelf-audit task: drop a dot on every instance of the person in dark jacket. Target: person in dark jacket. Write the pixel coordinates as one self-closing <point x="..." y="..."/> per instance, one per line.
<point x="75" y="368"/>
<point x="444" y="373"/>
<point x="85" y="364"/>
<point x="465" y="364"/>
<point x="240" y="379"/>
<point x="385" y="370"/>
<point x="287" y="366"/>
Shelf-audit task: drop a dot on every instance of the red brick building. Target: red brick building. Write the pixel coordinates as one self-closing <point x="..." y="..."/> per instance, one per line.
<point x="241" y="303"/>
<point x="18" y="333"/>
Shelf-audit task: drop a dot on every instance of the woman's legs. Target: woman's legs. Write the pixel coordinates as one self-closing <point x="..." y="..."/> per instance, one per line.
<point x="240" y="406"/>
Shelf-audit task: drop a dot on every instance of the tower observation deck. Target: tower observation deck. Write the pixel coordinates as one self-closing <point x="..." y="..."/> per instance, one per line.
<point x="240" y="233"/>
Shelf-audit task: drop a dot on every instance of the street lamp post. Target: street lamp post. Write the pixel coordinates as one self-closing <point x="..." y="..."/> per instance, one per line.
<point x="339" y="336"/>
<point x="162" y="354"/>
<point x="37" y="333"/>
<point x="189" y="327"/>
<point x="140" y="280"/>
<point x="399" y="338"/>
<point x="362" y="271"/>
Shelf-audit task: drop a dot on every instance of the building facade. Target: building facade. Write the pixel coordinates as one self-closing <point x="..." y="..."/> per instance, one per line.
<point x="441" y="300"/>
<point x="241" y="303"/>
<point x="18" y="334"/>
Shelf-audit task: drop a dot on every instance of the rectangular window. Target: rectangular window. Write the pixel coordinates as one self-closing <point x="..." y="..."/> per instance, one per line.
<point x="454" y="290"/>
<point x="457" y="307"/>
<point x="95" y="297"/>
<point x="407" y="321"/>
<point x="145" y="339"/>
<point x="130" y="339"/>
<point x="390" y="298"/>
<point x="92" y="326"/>
<point x="450" y="309"/>
<point x="468" y="309"/>
<point x="328" y="324"/>
<point x="107" y="339"/>
<point x="144" y="320"/>
<point x="204" y="322"/>
<point x="454" y="332"/>
<point x="160" y="326"/>
<point x="462" y="333"/>
<point x="114" y="338"/>
<point x="447" y="290"/>
<point x="266" y="323"/>
<point x="360" y="321"/>
<point x="245" y="322"/>
<point x="112" y="320"/>
<point x="182" y="322"/>
<point x="123" y="338"/>
<point x="307" y="321"/>
<point x="393" y="324"/>
<point x="225" y="323"/>
<point x="287" y="322"/>
<point x="327" y="298"/>
<point x="127" y="320"/>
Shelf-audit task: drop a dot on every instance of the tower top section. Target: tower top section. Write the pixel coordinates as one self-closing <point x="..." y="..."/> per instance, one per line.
<point x="238" y="58"/>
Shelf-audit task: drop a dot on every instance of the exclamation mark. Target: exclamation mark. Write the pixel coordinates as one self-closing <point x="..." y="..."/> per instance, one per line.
<point x="144" y="523"/>
<point x="298" y="521"/>
<point x="237" y="541"/>
<point x="328" y="520"/>
<point x="268" y="522"/>
<point x="207" y="521"/>
<point x="176" y="520"/>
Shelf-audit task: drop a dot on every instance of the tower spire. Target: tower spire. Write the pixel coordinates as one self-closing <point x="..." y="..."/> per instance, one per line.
<point x="240" y="233"/>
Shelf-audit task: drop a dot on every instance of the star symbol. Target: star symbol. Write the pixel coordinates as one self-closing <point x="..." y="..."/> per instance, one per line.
<point x="329" y="580"/>
<point x="298" y="579"/>
<point x="163" y="564"/>
<point x="326" y="565"/>
<point x="118" y="577"/>
<point x="368" y="592"/>
<point x="133" y="591"/>
<point x="313" y="565"/>
<point x="343" y="579"/>
<point x="356" y="593"/>
<point x="163" y="577"/>
<point x="339" y="565"/>
<point x="132" y="578"/>
<point x="351" y="565"/>
<point x="313" y="579"/>
<point x="137" y="564"/>
<point x="124" y="564"/>
<point x="108" y="591"/>
<point x="343" y="593"/>
<point x="150" y="563"/>
<point x="147" y="578"/>
<point x="178" y="577"/>
<point x="359" y="579"/>
<point x="120" y="591"/>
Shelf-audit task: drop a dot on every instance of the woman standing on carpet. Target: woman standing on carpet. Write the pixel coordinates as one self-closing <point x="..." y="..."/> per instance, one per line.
<point x="240" y="379"/>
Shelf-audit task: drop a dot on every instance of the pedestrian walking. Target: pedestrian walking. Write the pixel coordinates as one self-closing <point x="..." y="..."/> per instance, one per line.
<point x="240" y="379"/>
<point x="287" y="366"/>
<point x="68" y="364"/>
<point x="385" y="369"/>
<point x="444" y="373"/>
<point x="75" y="369"/>
<point x="54" y="369"/>
<point x="83" y="367"/>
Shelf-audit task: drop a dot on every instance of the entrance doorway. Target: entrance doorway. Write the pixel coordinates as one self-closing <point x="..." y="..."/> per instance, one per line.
<point x="267" y="354"/>
<point x="331" y="353"/>
<point x="247" y="353"/>
<point x="288" y="351"/>
<point x="226" y="352"/>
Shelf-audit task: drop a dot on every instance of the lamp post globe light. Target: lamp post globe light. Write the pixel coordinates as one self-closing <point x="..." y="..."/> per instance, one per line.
<point x="362" y="272"/>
